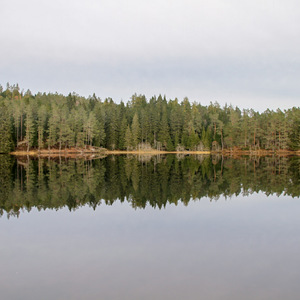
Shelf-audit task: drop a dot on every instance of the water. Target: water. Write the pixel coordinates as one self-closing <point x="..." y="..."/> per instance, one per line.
<point x="159" y="228"/>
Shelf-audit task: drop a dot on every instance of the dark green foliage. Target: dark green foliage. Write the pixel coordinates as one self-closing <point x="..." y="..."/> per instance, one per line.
<point x="6" y="141"/>
<point x="57" y="121"/>
<point x="111" y="124"/>
<point x="142" y="181"/>
<point x="6" y="182"/>
<point x="128" y="139"/>
<point x="122" y="134"/>
<point x="136" y="131"/>
<point x="293" y="117"/>
<point x="164" y="131"/>
<point x="41" y="122"/>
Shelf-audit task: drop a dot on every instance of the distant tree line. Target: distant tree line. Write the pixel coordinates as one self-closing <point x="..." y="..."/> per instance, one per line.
<point x="46" y="121"/>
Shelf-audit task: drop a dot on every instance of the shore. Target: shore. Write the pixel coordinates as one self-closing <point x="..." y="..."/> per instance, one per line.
<point x="103" y="152"/>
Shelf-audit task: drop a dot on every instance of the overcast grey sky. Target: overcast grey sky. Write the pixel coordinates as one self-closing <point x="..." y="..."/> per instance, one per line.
<point x="242" y="52"/>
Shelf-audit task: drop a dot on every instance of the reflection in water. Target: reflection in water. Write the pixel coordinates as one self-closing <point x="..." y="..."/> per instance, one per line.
<point x="142" y="181"/>
<point x="246" y="248"/>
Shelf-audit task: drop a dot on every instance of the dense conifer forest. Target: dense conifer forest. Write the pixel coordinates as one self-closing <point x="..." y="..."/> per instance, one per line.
<point x="54" y="121"/>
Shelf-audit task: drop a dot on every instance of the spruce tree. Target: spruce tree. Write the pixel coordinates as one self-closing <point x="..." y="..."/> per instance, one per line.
<point x="6" y="141"/>
<point x="41" y="122"/>
<point x="128" y="138"/>
<point x="30" y="127"/>
<point x="122" y="133"/>
<point x="53" y="127"/>
<point x="91" y="128"/>
<point x="163" y="135"/>
<point x="111" y="124"/>
<point x="136" y="131"/>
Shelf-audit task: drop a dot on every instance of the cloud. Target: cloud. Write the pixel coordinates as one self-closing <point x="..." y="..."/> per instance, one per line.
<point x="222" y="49"/>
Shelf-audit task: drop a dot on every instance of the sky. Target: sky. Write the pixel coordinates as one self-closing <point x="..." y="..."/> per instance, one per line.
<point x="244" y="53"/>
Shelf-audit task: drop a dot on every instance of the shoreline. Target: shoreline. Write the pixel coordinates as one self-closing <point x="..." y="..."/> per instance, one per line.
<point x="86" y="152"/>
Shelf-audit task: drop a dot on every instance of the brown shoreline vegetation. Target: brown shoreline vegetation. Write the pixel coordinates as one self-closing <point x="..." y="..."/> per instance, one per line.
<point x="78" y="152"/>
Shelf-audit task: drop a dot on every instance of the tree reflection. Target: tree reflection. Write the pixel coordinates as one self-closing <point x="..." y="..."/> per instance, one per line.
<point x="157" y="181"/>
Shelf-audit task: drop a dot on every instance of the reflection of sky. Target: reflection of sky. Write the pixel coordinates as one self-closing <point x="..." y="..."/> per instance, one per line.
<point x="239" y="248"/>
<point x="240" y="52"/>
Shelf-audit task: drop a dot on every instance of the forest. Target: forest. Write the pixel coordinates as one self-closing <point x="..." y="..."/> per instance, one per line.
<point x="55" y="121"/>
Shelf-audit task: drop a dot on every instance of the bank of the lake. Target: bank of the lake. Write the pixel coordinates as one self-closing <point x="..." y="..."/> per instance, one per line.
<point x="96" y="152"/>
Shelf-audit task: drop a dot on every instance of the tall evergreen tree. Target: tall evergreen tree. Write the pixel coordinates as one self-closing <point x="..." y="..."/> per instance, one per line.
<point x="136" y="131"/>
<point x="30" y="127"/>
<point x="91" y="128"/>
<point x="122" y="133"/>
<point x="6" y="141"/>
<point x="111" y="124"/>
<point x="52" y="127"/>
<point x="163" y="135"/>
<point x="41" y="123"/>
<point x="128" y="138"/>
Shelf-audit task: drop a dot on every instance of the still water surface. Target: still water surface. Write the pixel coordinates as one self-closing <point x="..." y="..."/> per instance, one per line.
<point x="159" y="228"/>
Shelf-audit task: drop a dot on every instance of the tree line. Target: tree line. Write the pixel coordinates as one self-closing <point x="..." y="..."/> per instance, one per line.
<point x="52" y="120"/>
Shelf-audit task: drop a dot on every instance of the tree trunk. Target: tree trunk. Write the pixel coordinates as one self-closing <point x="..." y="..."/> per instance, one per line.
<point x="21" y="127"/>
<point x="222" y="139"/>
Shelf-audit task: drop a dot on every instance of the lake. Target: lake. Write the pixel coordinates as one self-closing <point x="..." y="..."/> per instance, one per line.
<point x="142" y="227"/>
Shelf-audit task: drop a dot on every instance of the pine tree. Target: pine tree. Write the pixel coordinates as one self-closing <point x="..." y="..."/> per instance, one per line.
<point x="6" y="141"/>
<point x="111" y="124"/>
<point x="220" y="130"/>
<point x="52" y="127"/>
<point x="187" y="123"/>
<point x="176" y="121"/>
<point x="163" y="134"/>
<point x="16" y="113"/>
<point x="245" y="128"/>
<point x="170" y="145"/>
<point x="67" y="135"/>
<point x="194" y="140"/>
<point x="41" y="122"/>
<point x="154" y="119"/>
<point x="128" y="138"/>
<point x="100" y="138"/>
<point x="294" y="132"/>
<point x="79" y="118"/>
<point x="136" y="131"/>
<point x="30" y="127"/>
<point x="206" y="138"/>
<point x="91" y="128"/>
<point x="122" y="133"/>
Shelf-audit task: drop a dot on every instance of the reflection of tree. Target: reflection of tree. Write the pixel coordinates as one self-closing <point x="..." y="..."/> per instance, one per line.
<point x="159" y="181"/>
<point x="6" y="182"/>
